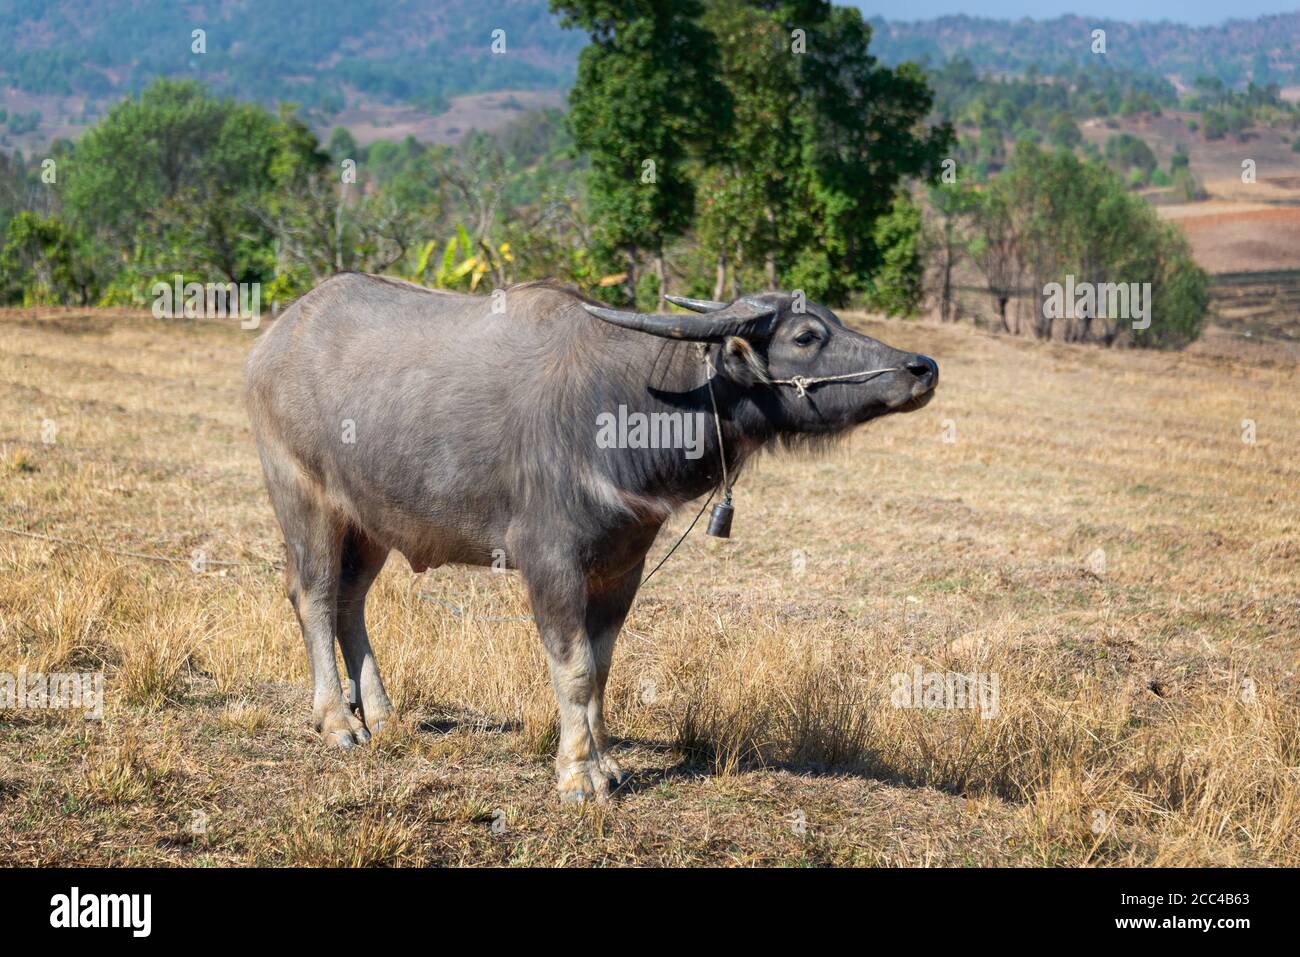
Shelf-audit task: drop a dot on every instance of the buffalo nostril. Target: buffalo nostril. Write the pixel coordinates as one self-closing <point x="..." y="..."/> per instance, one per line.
<point x="924" y="368"/>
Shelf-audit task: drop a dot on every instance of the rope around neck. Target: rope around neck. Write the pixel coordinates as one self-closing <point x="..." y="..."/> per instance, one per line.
<point x="717" y="424"/>
<point x="801" y="383"/>
<point x="722" y="457"/>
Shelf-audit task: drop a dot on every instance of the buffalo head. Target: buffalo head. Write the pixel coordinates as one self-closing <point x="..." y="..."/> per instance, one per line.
<point x="797" y="360"/>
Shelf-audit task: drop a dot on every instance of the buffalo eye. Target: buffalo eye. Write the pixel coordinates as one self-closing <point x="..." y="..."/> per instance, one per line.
<point x="806" y="338"/>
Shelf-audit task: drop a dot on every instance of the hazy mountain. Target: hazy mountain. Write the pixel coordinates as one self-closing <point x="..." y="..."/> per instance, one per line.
<point x="311" y="51"/>
<point x="1266" y="49"/>
<point x="358" y="61"/>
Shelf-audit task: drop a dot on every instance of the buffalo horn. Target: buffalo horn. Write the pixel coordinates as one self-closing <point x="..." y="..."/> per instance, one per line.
<point x="741" y="318"/>
<point x="696" y="305"/>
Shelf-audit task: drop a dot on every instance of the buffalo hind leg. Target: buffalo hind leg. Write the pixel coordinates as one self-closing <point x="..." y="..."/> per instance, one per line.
<point x="313" y="543"/>
<point x="360" y="563"/>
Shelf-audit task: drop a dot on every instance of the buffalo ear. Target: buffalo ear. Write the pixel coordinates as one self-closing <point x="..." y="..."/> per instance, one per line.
<point x="741" y="363"/>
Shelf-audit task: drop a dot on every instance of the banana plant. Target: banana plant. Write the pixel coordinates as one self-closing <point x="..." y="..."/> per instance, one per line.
<point x="460" y="259"/>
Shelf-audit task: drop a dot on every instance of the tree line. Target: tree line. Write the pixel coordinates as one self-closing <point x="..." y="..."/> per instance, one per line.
<point x="746" y="146"/>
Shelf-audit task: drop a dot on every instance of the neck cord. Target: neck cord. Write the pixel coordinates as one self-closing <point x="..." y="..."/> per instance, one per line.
<point x="717" y="424"/>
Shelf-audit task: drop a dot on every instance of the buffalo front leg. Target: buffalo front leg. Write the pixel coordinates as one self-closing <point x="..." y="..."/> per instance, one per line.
<point x="607" y="609"/>
<point x="559" y="597"/>
<point x="580" y="773"/>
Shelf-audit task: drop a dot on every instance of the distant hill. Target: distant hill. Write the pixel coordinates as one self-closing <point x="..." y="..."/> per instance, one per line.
<point x="1266" y="50"/>
<point x="309" y="51"/>
<point x="388" y="67"/>
<point x="423" y="51"/>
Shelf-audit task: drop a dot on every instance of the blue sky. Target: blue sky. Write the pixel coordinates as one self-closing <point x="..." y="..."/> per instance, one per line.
<point x="1196" y="12"/>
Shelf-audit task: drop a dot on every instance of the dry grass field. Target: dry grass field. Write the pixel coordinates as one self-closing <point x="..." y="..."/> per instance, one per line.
<point x="1088" y="526"/>
<point x="1215" y="163"/>
<point x="369" y="120"/>
<point x="1240" y="237"/>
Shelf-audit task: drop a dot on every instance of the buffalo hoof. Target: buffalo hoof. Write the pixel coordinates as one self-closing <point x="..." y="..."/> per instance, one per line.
<point x="376" y="718"/>
<point x="340" y="729"/>
<point x="342" y="740"/>
<point x="611" y="768"/>
<point x="585" y="781"/>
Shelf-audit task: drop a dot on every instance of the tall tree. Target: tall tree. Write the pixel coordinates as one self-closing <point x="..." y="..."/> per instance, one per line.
<point x="1050" y="216"/>
<point x="824" y="137"/>
<point x="862" y="129"/>
<point x="949" y="204"/>
<point x="752" y="193"/>
<point x="896" y="285"/>
<point x="646" y="100"/>
<point x="176" y="174"/>
<point x="998" y="249"/>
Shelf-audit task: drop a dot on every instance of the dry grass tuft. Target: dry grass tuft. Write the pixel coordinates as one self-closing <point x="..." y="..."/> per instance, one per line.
<point x="123" y="772"/>
<point x="244" y="717"/>
<point x="151" y="673"/>
<point x="371" y="838"/>
<point x="20" y="460"/>
<point x="53" y="614"/>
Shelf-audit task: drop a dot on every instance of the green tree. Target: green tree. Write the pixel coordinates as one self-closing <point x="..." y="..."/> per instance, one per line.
<point x="1063" y="132"/>
<point x="43" y="262"/>
<point x="647" y="99"/>
<point x="897" y="283"/>
<point x="1128" y="155"/>
<point x="1066" y="217"/>
<point x="174" y="176"/>
<point x="861" y="130"/>
<point x="751" y="195"/>
<point x="1214" y="124"/>
<point x="343" y="145"/>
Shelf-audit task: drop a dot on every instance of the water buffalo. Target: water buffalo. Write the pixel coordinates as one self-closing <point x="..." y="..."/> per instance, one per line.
<point x="482" y="430"/>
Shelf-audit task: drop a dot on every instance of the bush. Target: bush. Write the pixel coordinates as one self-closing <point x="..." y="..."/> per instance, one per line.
<point x="1065" y="217"/>
<point x="45" y="262"/>
<point x="897" y="282"/>
<point x="1132" y="157"/>
<point x="1216" y="125"/>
